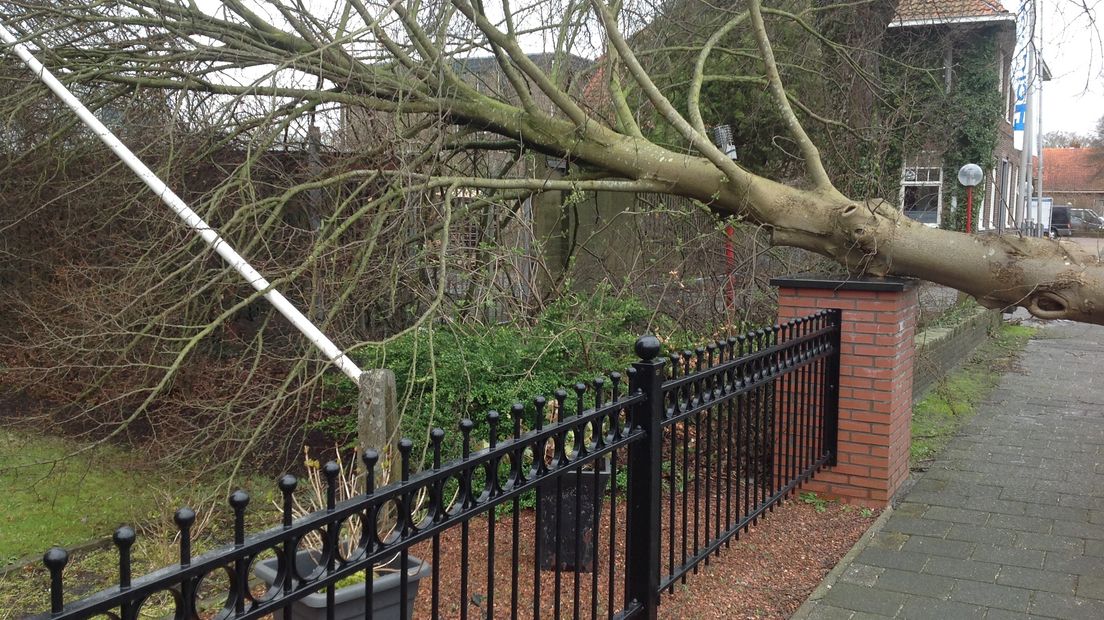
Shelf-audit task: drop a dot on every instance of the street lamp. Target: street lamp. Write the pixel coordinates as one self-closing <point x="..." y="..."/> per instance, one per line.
<point x="722" y="137"/>
<point x="969" y="175"/>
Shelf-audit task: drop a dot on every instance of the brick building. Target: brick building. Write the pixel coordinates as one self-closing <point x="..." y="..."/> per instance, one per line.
<point x="1075" y="176"/>
<point x="927" y="180"/>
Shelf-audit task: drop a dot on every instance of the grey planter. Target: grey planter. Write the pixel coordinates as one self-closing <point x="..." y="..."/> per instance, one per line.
<point x="349" y="601"/>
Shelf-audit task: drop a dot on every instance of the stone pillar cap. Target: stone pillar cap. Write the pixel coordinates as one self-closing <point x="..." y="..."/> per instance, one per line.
<point x="891" y="284"/>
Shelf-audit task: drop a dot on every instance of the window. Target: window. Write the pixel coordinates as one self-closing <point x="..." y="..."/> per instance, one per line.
<point x="922" y="194"/>
<point x="1003" y="85"/>
<point x="989" y="207"/>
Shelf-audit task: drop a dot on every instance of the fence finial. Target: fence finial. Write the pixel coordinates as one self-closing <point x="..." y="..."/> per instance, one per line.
<point x="647" y="347"/>
<point x="238" y="501"/>
<point x="124" y="538"/>
<point x="287" y="486"/>
<point x="184" y="518"/>
<point x="55" y="560"/>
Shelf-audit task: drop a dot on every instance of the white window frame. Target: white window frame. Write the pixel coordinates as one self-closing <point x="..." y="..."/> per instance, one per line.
<point x="1004" y="81"/>
<point x="921" y="176"/>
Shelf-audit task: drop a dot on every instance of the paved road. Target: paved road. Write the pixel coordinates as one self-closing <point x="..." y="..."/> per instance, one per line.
<point x="1009" y="522"/>
<point x="1094" y="245"/>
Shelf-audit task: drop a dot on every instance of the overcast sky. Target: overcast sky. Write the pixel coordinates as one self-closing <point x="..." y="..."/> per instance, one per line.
<point x="1071" y="47"/>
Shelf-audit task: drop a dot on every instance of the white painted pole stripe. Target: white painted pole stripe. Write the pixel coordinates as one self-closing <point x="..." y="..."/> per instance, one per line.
<point x="196" y="223"/>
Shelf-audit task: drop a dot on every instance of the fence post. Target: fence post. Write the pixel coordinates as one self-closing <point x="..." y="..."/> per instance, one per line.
<point x="378" y="421"/>
<point x="645" y="457"/>
<point x="831" y="387"/>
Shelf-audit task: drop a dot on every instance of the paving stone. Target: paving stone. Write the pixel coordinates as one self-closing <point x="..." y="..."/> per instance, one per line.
<point x="928" y="483"/>
<point x="938" y="498"/>
<point x="993" y="613"/>
<point x="1094" y="547"/>
<point x="956" y="515"/>
<point x="991" y="595"/>
<point x="1066" y="607"/>
<point x="925" y="526"/>
<point x="1065" y="513"/>
<point x="939" y="546"/>
<point x="1074" y="564"/>
<point x="1079" y="530"/>
<point x="1090" y="586"/>
<point x="1078" y="500"/>
<point x="869" y="600"/>
<point x="827" y="612"/>
<point x="911" y="508"/>
<point x="981" y="534"/>
<point x="1049" y="542"/>
<point x="915" y="583"/>
<point x="1030" y="495"/>
<point x="1023" y="524"/>
<point x="862" y="615"/>
<point x="1028" y="558"/>
<point x="889" y="540"/>
<point x="998" y="506"/>
<point x="861" y="574"/>
<point x="1035" y="579"/>
<point x="963" y="569"/>
<point x="885" y="558"/>
<point x="924" y="608"/>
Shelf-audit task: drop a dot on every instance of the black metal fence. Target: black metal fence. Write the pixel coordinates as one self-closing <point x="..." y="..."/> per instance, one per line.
<point x="631" y="488"/>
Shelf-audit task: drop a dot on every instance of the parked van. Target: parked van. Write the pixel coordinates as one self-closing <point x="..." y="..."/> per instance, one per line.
<point x="1085" y="221"/>
<point x="1060" y="225"/>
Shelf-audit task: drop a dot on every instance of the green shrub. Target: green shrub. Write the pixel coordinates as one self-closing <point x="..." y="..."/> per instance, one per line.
<point x="450" y="371"/>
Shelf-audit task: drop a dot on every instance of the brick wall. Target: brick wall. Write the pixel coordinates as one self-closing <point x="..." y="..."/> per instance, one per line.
<point x="941" y="349"/>
<point x="876" y="371"/>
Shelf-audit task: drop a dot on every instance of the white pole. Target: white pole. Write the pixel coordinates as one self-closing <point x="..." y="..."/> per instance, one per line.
<point x="328" y="348"/>
<point x="1039" y="119"/>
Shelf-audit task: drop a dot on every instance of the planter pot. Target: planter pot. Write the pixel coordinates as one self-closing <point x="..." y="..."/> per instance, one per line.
<point x="349" y="601"/>
<point x="576" y="532"/>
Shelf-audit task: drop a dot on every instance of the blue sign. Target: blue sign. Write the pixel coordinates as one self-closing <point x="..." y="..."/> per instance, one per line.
<point x="1019" y="115"/>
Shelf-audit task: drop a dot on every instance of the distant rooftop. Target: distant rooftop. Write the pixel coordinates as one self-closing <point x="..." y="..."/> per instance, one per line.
<point x="933" y="12"/>
<point x="1073" y="170"/>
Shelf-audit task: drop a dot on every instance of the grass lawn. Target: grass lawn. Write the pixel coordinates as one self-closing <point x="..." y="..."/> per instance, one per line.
<point x="939" y="415"/>
<point x="65" y="502"/>
<point x="70" y="501"/>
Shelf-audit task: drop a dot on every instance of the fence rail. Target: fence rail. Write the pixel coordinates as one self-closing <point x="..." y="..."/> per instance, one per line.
<point x="694" y="451"/>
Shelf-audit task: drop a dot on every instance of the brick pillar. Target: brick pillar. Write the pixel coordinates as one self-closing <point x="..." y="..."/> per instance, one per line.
<point x="875" y="396"/>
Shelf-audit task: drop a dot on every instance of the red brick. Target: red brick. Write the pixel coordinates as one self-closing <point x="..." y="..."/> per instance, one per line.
<point x="851" y="425"/>
<point x="856" y="382"/>
<point x="830" y="476"/>
<point x="848" y="491"/>
<point x="882" y="305"/>
<point x="858" y="316"/>
<point x="856" y="448"/>
<point x="857" y="338"/>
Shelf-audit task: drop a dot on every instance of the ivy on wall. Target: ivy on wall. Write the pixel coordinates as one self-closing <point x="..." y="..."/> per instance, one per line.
<point x="958" y="125"/>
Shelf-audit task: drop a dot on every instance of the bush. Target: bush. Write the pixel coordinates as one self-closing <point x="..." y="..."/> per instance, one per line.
<point x="450" y="371"/>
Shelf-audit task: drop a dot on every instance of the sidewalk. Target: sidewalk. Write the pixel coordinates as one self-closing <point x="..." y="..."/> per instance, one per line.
<point x="1009" y="521"/>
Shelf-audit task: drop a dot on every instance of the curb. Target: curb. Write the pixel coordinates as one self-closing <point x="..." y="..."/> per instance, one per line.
<point x="833" y="575"/>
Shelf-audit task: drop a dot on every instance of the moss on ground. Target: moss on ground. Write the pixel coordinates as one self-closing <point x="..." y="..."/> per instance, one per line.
<point x="954" y="399"/>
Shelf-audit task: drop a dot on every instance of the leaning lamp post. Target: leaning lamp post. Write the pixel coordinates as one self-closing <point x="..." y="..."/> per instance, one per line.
<point x="969" y="175"/>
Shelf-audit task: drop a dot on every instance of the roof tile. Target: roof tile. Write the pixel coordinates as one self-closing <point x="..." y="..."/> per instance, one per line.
<point x="1073" y="170"/>
<point x="949" y="10"/>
